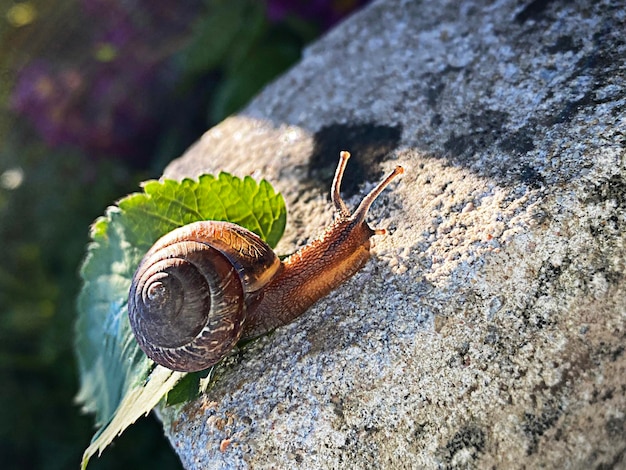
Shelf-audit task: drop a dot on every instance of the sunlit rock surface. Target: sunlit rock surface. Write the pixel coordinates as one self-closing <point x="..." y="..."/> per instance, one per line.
<point x="488" y="330"/>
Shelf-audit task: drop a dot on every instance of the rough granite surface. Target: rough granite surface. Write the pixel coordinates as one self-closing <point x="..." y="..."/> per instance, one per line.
<point x="489" y="328"/>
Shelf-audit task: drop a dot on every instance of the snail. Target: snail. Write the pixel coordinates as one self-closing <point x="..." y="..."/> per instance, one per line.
<point x="207" y="285"/>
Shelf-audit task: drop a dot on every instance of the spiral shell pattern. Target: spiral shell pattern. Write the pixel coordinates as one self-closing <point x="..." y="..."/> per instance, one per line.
<point x="189" y="296"/>
<point x="186" y="305"/>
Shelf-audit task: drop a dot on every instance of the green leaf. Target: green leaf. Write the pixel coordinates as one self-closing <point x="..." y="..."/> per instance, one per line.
<point x="185" y="390"/>
<point x="137" y="402"/>
<point x="116" y="378"/>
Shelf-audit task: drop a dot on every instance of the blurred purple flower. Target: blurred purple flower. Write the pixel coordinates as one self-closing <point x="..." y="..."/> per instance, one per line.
<point x="114" y="100"/>
<point x="325" y="12"/>
<point x="109" y="102"/>
<point x="44" y="98"/>
<point x="100" y="112"/>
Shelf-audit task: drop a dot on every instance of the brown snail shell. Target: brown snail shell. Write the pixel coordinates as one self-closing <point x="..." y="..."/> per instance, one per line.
<point x="188" y="297"/>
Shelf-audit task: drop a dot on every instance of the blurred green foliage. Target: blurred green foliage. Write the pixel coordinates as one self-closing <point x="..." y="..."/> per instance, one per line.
<point x="43" y="233"/>
<point x="95" y="96"/>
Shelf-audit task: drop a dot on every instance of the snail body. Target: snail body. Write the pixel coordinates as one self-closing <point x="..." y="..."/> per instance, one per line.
<point x="207" y="285"/>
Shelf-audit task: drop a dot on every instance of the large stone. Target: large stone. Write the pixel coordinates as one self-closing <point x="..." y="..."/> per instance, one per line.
<point x="488" y="330"/>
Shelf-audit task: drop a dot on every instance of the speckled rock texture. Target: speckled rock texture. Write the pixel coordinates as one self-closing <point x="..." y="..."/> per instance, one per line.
<point x="489" y="328"/>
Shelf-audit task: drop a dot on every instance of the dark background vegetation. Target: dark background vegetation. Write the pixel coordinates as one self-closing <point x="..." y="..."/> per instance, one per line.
<point x="96" y="96"/>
